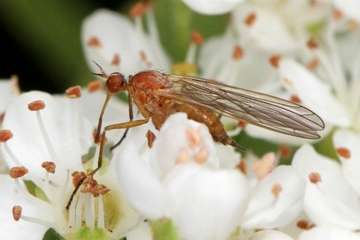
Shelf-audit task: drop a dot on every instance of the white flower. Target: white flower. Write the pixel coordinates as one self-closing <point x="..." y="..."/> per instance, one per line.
<point x="8" y="90"/>
<point x="269" y="235"/>
<point x="179" y="178"/>
<point x="212" y="6"/>
<point x="119" y="45"/>
<point x="330" y="201"/>
<point x="52" y="135"/>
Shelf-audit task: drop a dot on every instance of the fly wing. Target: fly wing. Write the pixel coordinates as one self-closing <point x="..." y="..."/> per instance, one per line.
<point x="259" y="109"/>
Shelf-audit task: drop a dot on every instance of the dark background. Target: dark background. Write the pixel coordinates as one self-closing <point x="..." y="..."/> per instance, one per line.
<point x="18" y="57"/>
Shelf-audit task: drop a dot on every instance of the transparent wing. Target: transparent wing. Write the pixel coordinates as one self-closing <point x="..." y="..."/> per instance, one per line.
<point x="259" y="109"/>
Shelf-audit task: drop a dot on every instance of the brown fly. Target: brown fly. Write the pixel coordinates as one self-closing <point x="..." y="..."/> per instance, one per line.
<point x="158" y="95"/>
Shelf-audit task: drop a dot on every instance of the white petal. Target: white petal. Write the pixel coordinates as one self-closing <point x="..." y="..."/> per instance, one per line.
<point x="328" y="233"/>
<point x="141" y="187"/>
<point x="332" y="201"/>
<point x="11" y="196"/>
<point x="351" y="165"/>
<point x="117" y="36"/>
<point x="313" y="93"/>
<point x="206" y="204"/>
<point x="142" y="232"/>
<point x="9" y="89"/>
<point x="270" y="235"/>
<point x="212" y="6"/>
<point x="350" y="7"/>
<point x="172" y="139"/>
<point x="268" y="32"/>
<point x="267" y="211"/>
<point x="70" y="135"/>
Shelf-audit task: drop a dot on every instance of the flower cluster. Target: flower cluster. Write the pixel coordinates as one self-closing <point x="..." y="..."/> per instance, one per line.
<point x="176" y="181"/>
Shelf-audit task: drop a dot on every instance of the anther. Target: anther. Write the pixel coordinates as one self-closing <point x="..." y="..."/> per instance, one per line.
<point x="337" y="14"/>
<point x="304" y="224"/>
<point x="313" y="64"/>
<point x="116" y="60"/>
<point x="274" y="60"/>
<point x="343" y="152"/>
<point x="16" y="211"/>
<point x="264" y="166"/>
<point x="285" y="151"/>
<point x="202" y="156"/>
<point x="78" y="177"/>
<point x="242" y="166"/>
<point x="314" y="177"/>
<point x="5" y="135"/>
<point x="238" y="52"/>
<point x="73" y="92"/>
<point x="49" y="166"/>
<point x="196" y="38"/>
<point x="193" y="137"/>
<point x="295" y="98"/>
<point x="138" y="9"/>
<point x="250" y="19"/>
<point x="276" y="189"/>
<point x="312" y="43"/>
<point x="242" y="124"/>
<point x="183" y="156"/>
<point x="94" y="86"/>
<point x="151" y="138"/>
<point x="17" y="172"/>
<point x="36" y="105"/>
<point x="94" y="42"/>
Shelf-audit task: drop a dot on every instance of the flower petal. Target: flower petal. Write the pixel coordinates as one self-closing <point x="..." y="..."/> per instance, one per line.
<point x="212" y="7"/>
<point x="69" y="135"/>
<point x="268" y="210"/>
<point x="330" y="201"/>
<point x="269" y="235"/>
<point x="11" y="196"/>
<point x="203" y="203"/>
<point x="328" y="233"/>
<point x="350" y="165"/>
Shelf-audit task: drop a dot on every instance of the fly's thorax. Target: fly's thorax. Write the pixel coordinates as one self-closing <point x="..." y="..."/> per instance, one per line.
<point x="143" y="88"/>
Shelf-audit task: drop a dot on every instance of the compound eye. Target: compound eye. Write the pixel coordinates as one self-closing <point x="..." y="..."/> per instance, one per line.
<point x="115" y="83"/>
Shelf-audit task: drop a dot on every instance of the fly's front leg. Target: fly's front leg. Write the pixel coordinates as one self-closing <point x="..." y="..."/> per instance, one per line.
<point x="127" y="125"/>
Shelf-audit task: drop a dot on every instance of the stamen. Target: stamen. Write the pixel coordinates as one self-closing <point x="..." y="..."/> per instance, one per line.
<point x="94" y="86"/>
<point x="143" y="57"/>
<point x="295" y="98"/>
<point x="250" y="19"/>
<point x="16" y="210"/>
<point x="276" y="189"/>
<point x="151" y="138"/>
<point x="49" y="166"/>
<point x="90" y="211"/>
<point x="343" y="152"/>
<point x="242" y="166"/>
<point x="196" y="38"/>
<point x="73" y="92"/>
<point x="242" y="124"/>
<point x="17" y="172"/>
<point x="183" y="156"/>
<point x="101" y="218"/>
<point x="202" y="156"/>
<point x="94" y="42"/>
<point x="77" y="177"/>
<point x="264" y="166"/>
<point x="314" y="177"/>
<point x="138" y="10"/>
<point x="116" y="60"/>
<point x="337" y="14"/>
<point x="238" y="52"/>
<point x="305" y="224"/>
<point x="274" y="61"/>
<point x="5" y="135"/>
<point x="312" y="43"/>
<point x="36" y="106"/>
<point x="193" y="138"/>
<point x="313" y="64"/>
<point x="285" y="151"/>
<point x="78" y="211"/>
